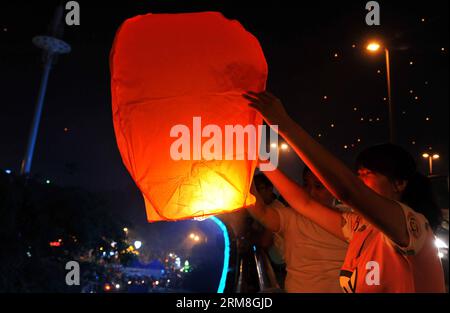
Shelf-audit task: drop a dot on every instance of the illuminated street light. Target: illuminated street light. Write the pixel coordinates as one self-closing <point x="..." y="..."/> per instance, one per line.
<point x="374" y="47"/>
<point x="125" y="229"/>
<point x="192" y="236"/>
<point x="284" y="146"/>
<point x="137" y="244"/>
<point x="430" y="158"/>
<point x="440" y="244"/>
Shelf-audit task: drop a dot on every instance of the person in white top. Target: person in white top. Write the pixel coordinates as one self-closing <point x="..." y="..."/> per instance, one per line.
<point x="313" y="256"/>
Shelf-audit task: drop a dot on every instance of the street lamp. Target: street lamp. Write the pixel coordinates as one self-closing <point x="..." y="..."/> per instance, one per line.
<point x="374" y="47"/>
<point x="138" y="244"/>
<point x="430" y="158"/>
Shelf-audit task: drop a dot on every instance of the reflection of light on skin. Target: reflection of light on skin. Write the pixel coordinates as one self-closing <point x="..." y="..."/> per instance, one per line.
<point x="226" y="253"/>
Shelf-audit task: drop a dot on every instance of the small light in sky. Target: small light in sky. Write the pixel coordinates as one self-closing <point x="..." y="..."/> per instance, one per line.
<point x="378" y="119"/>
<point x="47" y="181"/>
<point x="442" y="49"/>
<point x="427" y="119"/>
<point x="66" y="129"/>
<point x="426" y="82"/>
<point x="378" y="71"/>
<point x="413" y="142"/>
<point x="355" y="109"/>
<point x="422" y="20"/>
<point x="332" y="125"/>
<point x="411" y="91"/>
<point x="370" y="120"/>
<point x="411" y="63"/>
<point x="362" y="119"/>
<point x="5" y="29"/>
<point x="353" y="46"/>
<point x="8" y="172"/>
<point x="358" y="140"/>
<point x="384" y="99"/>
<point x="345" y="147"/>
<point x="416" y="98"/>
<point x="319" y="135"/>
<point x="403" y="112"/>
<point x="325" y="97"/>
<point x="336" y="55"/>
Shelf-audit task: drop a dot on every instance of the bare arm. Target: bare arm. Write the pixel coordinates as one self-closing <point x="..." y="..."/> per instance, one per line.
<point x="300" y="201"/>
<point x="263" y="214"/>
<point x="383" y="213"/>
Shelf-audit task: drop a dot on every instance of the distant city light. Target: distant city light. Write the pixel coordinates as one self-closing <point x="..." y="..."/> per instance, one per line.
<point x="47" y="181"/>
<point x="137" y="244"/>
<point x="8" y="172"/>
<point x="440" y="244"/>
<point x="117" y="286"/>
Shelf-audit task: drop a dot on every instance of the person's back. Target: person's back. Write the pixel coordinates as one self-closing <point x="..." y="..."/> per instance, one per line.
<point x="313" y="256"/>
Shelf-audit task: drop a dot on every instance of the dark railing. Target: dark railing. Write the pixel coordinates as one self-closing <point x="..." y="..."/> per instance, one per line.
<point x="255" y="273"/>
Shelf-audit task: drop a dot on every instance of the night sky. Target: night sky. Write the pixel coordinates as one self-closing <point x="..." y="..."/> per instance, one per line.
<point x="318" y="66"/>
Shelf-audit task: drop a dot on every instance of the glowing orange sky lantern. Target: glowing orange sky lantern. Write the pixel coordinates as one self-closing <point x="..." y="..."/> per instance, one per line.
<point x="167" y="69"/>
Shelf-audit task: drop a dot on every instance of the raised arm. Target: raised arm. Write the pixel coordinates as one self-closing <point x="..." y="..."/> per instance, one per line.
<point x="264" y="214"/>
<point x="383" y="213"/>
<point x="302" y="202"/>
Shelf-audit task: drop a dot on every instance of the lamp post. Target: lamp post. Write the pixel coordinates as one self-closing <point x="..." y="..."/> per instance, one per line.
<point x="375" y="47"/>
<point x="430" y="158"/>
<point x="51" y="47"/>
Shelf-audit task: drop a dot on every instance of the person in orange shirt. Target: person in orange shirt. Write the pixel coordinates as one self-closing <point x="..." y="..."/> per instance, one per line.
<point x="390" y="231"/>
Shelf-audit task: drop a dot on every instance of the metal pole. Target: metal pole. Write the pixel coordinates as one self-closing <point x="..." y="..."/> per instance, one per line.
<point x="430" y="164"/>
<point x="28" y="158"/>
<point x="391" y="107"/>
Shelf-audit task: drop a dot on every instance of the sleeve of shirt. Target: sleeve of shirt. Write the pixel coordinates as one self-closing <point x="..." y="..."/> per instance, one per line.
<point x="350" y="223"/>
<point x="418" y="229"/>
<point x="285" y="215"/>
